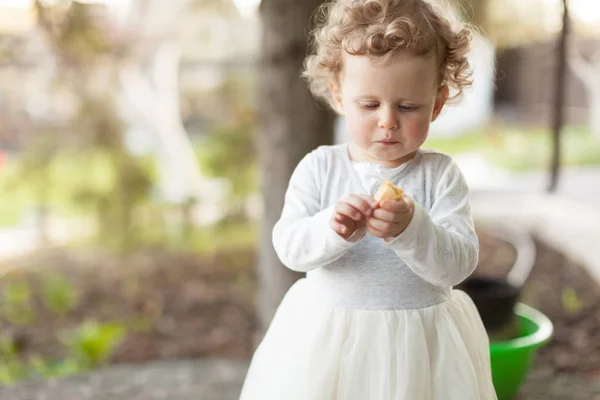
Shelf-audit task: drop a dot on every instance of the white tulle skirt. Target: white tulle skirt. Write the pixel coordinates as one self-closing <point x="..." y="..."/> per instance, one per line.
<point x="316" y="351"/>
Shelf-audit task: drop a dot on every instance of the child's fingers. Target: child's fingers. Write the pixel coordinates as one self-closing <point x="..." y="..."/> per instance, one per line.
<point x="381" y="226"/>
<point x="370" y="201"/>
<point x="376" y="232"/>
<point x="344" y="220"/>
<point x="397" y="206"/>
<point x="338" y="217"/>
<point x="388" y="216"/>
<point x="339" y="228"/>
<point x="364" y="204"/>
<point x="348" y="210"/>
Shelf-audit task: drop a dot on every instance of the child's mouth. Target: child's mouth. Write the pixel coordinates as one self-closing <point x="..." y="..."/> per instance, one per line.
<point x="388" y="142"/>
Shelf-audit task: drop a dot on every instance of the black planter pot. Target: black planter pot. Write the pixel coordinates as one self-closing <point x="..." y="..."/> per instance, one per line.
<point x="495" y="300"/>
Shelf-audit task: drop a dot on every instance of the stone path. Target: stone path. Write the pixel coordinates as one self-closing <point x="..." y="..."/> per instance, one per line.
<point x="543" y="385"/>
<point x="209" y="379"/>
<point x="221" y="380"/>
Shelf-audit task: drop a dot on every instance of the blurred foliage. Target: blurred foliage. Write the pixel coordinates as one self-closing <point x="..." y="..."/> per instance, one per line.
<point x="128" y="180"/>
<point x="229" y="152"/>
<point x="53" y="369"/>
<point x="58" y="294"/>
<point x="87" y="346"/>
<point x="92" y="173"/>
<point x="74" y="34"/>
<point x="228" y="236"/>
<point x="16" y="304"/>
<point x="14" y="369"/>
<point x="83" y="166"/>
<point x="92" y="343"/>
<point x="81" y="347"/>
<point x="229" y="149"/>
<point x="11" y="368"/>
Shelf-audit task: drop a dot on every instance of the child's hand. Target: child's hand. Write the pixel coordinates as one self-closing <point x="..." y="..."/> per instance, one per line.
<point x="351" y="214"/>
<point x="391" y="218"/>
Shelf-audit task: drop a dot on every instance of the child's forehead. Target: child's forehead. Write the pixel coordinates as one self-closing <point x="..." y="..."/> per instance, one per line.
<point x="401" y="64"/>
<point x="413" y="76"/>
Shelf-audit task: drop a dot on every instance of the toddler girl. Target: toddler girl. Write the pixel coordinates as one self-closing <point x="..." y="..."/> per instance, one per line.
<point x="376" y="317"/>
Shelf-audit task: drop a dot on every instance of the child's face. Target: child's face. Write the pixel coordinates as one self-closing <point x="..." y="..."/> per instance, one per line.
<point x="388" y="108"/>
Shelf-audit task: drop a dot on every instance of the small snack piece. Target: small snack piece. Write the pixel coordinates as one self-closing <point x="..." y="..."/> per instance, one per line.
<point x="387" y="191"/>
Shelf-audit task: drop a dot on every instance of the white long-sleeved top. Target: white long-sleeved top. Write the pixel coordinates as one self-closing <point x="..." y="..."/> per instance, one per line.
<point x="417" y="269"/>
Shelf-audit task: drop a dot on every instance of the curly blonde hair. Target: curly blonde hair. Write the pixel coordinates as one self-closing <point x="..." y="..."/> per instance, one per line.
<point x="380" y="29"/>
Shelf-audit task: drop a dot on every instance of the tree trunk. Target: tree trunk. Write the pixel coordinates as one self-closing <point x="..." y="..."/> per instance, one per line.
<point x="559" y="99"/>
<point x="291" y="125"/>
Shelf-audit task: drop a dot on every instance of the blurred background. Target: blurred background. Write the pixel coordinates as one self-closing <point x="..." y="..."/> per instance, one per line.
<point x="145" y="148"/>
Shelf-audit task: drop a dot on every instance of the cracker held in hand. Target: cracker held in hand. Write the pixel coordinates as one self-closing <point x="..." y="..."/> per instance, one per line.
<point x="387" y="191"/>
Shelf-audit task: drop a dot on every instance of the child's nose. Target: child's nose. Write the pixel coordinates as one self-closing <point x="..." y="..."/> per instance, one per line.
<point x="388" y="120"/>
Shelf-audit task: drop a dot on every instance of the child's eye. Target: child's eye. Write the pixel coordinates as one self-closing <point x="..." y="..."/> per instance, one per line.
<point x="408" y="108"/>
<point x="369" y="106"/>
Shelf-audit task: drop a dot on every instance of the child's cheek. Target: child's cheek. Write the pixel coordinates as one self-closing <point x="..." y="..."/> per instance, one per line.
<point x="417" y="129"/>
<point x="358" y="126"/>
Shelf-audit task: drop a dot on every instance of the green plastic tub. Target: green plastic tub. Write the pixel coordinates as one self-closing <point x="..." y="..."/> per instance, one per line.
<point x="511" y="359"/>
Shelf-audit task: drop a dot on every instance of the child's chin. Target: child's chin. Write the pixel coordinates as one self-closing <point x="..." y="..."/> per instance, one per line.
<point x="396" y="155"/>
<point x="391" y="153"/>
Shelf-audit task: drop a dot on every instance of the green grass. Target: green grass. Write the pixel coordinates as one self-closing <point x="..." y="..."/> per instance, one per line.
<point x="70" y="172"/>
<point x="523" y="149"/>
<point x="19" y="190"/>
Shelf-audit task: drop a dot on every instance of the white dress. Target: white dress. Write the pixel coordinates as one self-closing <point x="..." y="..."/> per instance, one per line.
<point x="374" y="319"/>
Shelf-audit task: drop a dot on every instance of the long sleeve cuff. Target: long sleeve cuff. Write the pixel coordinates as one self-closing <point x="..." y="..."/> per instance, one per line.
<point x="309" y="243"/>
<point x="437" y="255"/>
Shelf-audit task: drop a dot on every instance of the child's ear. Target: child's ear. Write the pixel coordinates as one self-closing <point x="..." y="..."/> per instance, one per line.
<point x="336" y="95"/>
<point x="440" y="101"/>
